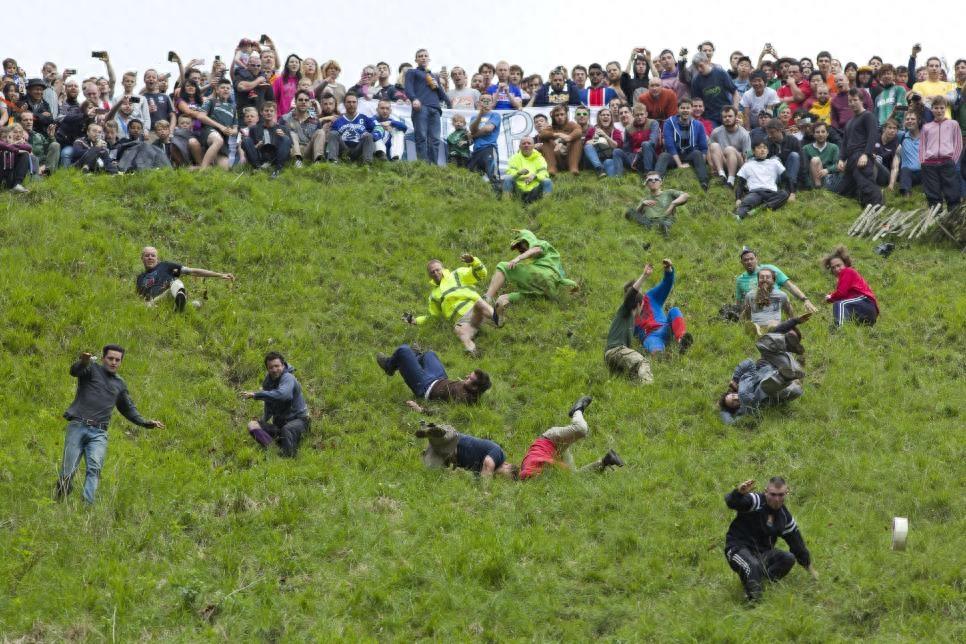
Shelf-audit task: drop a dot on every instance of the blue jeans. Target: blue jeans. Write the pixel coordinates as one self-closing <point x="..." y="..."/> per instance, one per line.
<point x="546" y="187"/>
<point x="614" y="167"/>
<point x="66" y="156"/>
<point x="792" y="165"/>
<point x="89" y="442"/>
<point x="643" y="161"/>
<point x="426" y="132"/>
<point x="419" y="371"/>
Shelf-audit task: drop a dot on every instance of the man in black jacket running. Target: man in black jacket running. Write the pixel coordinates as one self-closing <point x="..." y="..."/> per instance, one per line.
<point x="750" y="544"/>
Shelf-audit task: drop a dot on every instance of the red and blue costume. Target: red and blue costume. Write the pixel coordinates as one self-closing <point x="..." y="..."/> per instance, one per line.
<point x="652" y="325"/>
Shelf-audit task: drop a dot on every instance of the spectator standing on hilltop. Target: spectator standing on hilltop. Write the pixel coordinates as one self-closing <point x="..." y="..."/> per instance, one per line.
<point x="714" y="85"/>
<point x="428" y="97"/>
<point x="940" y="148"/>
<point x="162" y="279"/>
<point x="286" y="416"/>
<point x="99" y="391"/>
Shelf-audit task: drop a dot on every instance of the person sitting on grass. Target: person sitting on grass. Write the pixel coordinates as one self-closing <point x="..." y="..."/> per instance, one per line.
<point x="656" y="209"/>
<point x="535" y="271"/>
<point x="653" y="326"/>
<point x="454" y="298"/>
<point x="775" y="378"/>
<point x="527" y="173"/>
<point x="758" y="182"/>
<point x="286" y="416"/>
<point x="750" y="544"/>
<point x="553" y="446"/>
<point x="162" y="279"/>
<point x="852" y="298"/>
<point x="426" y="377"/>
<point x="618" y="354"/>
<point x="14" y="161"/>
<point x="91" y="153"/>
<point x="822" y="159"/>
<point x="449" y="448"/>
<point x="269" y="143"/>
<point x="765" y="306"/>
<point x="747" y="282"/>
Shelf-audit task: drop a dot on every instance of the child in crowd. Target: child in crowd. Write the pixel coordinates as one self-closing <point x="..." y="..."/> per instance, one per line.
<point x="14" y="161"/>
<point x="758" y="182"/>
<point x="235" y="153"/>
<point x="459" y="142"/>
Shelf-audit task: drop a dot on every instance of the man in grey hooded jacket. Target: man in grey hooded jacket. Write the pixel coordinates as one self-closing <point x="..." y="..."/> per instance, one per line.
<point x="286" y="416"/>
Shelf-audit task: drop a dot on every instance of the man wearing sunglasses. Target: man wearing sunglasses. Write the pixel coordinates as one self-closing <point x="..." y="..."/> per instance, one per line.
<point x="750" y="544"/>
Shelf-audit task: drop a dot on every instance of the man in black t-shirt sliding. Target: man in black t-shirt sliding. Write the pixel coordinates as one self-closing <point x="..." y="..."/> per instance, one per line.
<point x="161" y="279"/>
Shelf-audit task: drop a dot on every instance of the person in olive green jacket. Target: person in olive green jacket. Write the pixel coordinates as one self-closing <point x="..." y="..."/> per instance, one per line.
<point x="527" y="173"/>
<point x="454" y="298"/>
<point x="535" y="271"/>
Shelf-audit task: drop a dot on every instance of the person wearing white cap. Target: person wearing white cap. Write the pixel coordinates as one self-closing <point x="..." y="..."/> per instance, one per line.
<point x="750" y="543"/>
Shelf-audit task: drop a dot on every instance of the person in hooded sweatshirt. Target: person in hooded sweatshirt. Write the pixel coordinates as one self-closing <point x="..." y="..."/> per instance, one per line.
<point x="536" y="271"/>
<point x="286" y="416"/>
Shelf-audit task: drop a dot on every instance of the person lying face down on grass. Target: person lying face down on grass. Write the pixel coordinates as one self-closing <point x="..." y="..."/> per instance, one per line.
<point x="536" y="271"/>
<point x="653" y="326"/>
<point x="449" y="448"/>
<point x="454" y="298"/>
<point x="162" y="279"/>
<point x="553" y="446"/>
<point x="426" y="377"/>
<point x="775" y="378"/>
<point x="750" y="543"/>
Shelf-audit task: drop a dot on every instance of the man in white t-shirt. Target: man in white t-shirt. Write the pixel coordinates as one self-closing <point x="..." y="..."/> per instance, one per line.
<point x="462" y="97"/>
<point x="757" y="99"/>
<point x="757" y="182"/>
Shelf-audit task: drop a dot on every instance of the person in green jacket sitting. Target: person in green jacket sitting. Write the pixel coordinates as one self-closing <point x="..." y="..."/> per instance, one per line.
<point x="454" y="298"/>
<point x="527" y="173"/>
<point x="535" y="271"/>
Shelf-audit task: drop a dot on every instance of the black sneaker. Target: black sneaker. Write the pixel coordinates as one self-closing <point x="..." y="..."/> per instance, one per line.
<point x="582" y="403"/>
<point x="685" y="343"/>
<point x="179" y="301"/>
<point x="383" y="361"/>
<point x="612" y="459"/>
<point x="753" y="591"/>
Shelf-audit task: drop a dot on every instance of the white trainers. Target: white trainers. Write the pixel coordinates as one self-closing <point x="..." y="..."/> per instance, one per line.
<point x="19" y="188"/>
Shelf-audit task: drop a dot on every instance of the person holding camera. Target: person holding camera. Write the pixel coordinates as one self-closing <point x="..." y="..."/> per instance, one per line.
<point x="424" y="90"/>
<point x="252" y="88"/>
<point x="99" y="391"/>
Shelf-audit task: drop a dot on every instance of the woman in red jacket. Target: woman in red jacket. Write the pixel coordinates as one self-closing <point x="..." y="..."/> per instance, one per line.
<point x="852" y="298"/>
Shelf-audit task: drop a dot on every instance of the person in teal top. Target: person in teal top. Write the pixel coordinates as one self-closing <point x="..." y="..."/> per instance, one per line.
<point x="748" y="281"/>
<point x="535" y="271"/>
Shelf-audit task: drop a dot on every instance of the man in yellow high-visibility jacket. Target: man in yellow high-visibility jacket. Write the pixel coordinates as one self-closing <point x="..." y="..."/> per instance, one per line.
<point x="455" y="299"/>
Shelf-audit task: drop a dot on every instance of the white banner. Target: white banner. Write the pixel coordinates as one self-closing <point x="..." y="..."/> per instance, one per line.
<point x="516" y="125"/>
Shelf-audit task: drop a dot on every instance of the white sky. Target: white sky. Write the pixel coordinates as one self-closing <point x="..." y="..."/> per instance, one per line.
<point x="536" y="34"/>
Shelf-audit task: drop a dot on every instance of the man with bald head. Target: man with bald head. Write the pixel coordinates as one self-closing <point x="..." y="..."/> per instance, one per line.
<point x="841" y="113"/>
<point x="161" y="279"/>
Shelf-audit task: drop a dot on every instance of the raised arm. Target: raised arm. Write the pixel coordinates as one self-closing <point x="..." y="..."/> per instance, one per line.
<point x="201" y="272"/>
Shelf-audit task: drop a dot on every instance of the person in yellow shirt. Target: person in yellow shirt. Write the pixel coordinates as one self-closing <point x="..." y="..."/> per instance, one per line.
<point x="454" y="298"/>
<point x="527" y="173"/>
<point x="934" y="85"/>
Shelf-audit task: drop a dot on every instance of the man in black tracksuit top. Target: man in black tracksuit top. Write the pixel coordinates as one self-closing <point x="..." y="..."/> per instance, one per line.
<point x="750" y="544"/>
<point x="856" y="160"/>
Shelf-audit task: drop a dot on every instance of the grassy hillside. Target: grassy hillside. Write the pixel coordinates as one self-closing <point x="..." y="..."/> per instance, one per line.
<point x="200" y="535"/>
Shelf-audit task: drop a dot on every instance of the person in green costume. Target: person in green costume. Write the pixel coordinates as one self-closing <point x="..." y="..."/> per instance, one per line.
<point x="535" y="271"/>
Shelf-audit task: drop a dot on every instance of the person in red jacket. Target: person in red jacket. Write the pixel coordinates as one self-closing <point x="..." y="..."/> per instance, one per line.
<point x="852" y="298"/>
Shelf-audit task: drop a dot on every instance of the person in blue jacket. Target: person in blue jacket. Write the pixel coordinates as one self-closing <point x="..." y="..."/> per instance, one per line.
<point x="653" y="326"/>
<point x="427" y="96"/>
<point x="685" y="144"/>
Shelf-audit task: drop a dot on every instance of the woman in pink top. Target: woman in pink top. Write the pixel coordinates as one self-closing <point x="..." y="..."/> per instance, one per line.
<point x="852" y="298"/>
<point x="287" y="83"/>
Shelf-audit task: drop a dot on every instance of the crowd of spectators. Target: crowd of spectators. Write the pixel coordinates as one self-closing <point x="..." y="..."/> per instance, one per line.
<point x="853" y="129"/>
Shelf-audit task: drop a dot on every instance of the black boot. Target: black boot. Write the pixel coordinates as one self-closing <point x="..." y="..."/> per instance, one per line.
<point x="384" y="363"/>
<point x="582" y="403"/>
<point x="612" y="459"/>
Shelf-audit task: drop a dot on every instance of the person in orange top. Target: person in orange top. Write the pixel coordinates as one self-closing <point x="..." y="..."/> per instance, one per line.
<point x="561" y="142"/>
<point x="660" y="101"/>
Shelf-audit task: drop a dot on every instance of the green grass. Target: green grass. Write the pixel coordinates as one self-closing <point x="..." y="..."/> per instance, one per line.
<point x="200" y="535"/>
